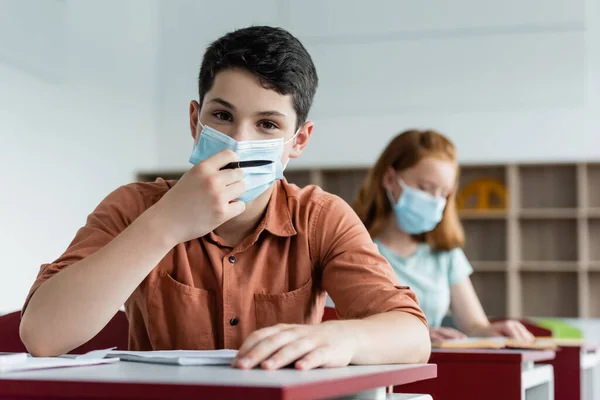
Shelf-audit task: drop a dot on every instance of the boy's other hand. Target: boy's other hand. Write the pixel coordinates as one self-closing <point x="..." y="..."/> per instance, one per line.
<point x="329" y="344"/>
<point x="203" y="199"/>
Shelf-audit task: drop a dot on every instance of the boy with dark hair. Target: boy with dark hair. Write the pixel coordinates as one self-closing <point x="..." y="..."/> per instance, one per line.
<point x="230" y="257"/>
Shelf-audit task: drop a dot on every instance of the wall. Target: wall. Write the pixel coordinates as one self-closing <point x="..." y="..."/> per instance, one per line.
<point x="592" y="41"/>
<point x="94" y="91"/>
<point x="186" y="28"/>
<point x="77" y="119"/>
<point x="507" y="81"/>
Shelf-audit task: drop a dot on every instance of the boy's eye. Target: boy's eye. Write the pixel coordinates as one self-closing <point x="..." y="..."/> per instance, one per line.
<point x="223" y="116"/>
<point x="268" y="125"/>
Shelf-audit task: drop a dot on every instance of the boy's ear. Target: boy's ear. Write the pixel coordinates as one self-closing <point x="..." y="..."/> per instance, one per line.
<point x="302" y="139"/>
<point x="194" y="112"/>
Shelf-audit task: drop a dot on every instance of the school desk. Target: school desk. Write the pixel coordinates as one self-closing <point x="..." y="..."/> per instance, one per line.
<point x="576" y="372"/>
<point x="469" y="374"/>
<point x="129" y="380"/>
<point x="590" y="372"/>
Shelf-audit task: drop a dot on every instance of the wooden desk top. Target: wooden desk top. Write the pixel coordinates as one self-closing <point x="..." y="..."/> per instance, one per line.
<point x="128" y="380"/>
<point x="490" y="355"/>
<point x="588" y="346"/>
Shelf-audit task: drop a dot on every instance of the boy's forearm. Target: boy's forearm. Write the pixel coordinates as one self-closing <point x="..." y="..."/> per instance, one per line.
<point x="75" y="304"/>
<point x="393" y="337"/>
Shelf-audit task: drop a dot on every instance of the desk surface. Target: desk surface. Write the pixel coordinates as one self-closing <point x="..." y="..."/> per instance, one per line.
<point x="590" y="347"/>
<point x="518" y="356"/>
<point x="585" y="345"/>
<point x="151" y="381"/>
<point x="465" y="374"/>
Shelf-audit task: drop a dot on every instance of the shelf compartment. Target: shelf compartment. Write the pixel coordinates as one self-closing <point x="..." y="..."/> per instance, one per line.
<point x="485" y="240"/>
<point x="548" y="186"/>
<point x="593" y="185"/>
<point x="549" y="294"/>
<point x="548" y="239"/>
<point x="344" y="183"/>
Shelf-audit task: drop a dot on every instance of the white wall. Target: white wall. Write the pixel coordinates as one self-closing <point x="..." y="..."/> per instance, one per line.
<point x="93" y="91"/>
<point x="507" y="81"/>
<point x="77" y="119"/>
<point x="186" y="28"/>
<point x="592" y="42"/>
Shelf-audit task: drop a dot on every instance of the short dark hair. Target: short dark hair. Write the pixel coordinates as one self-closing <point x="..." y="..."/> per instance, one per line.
<point x="274" y="55"/>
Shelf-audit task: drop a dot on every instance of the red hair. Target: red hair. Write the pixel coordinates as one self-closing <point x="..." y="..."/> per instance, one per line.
<point x="405" y="151"/>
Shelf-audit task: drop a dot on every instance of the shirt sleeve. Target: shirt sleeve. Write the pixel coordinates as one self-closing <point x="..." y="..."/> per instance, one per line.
<point x="460" y="267"/>
<point x="117" y="211"/>
<point x="359" y="280"/>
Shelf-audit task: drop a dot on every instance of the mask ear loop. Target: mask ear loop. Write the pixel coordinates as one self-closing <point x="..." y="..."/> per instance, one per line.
<point x="197" y="139"/>
<point x="293" y="137"/>
<point x="389" y="192"/>
<point x="391" y="197"/>
<point x="202" y="127"/>
<point x="401" y="183"/>
<point x="200" y="122"/>
<point x="286" y="142"/>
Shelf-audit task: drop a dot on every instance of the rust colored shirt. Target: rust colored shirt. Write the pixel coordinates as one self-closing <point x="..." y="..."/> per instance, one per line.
<point x="206" y="295"/>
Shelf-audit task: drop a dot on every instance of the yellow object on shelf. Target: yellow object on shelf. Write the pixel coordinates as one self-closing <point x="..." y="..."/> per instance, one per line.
<point x="484" y="191"/>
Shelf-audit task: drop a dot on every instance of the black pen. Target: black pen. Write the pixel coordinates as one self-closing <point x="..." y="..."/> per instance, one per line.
<point x="247" y="164"/>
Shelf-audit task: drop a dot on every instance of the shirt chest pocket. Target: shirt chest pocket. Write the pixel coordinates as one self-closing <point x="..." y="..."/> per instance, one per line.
<point x="300" y="306"/>
<point x="181" y="316"/>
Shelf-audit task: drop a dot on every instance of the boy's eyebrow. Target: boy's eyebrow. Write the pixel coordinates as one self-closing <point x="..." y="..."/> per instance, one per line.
<point x="268" y="113"/>
<point x="223" y="103"/>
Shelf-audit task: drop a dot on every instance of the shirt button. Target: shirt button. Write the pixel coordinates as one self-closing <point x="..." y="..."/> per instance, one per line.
<point x="232" y="259"/>
<point x="233" y="321"/>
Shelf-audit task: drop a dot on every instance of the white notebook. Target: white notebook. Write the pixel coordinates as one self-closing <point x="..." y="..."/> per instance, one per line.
<point x="24" y="362"/>
<point x="178" y="357"/>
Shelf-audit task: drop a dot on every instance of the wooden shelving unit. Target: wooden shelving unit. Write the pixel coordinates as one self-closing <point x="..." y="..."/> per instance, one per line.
<point x="538" y="257"/>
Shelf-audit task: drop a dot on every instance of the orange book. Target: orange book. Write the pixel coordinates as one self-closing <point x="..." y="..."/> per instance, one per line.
<point x="495" y="343"/>
<point x="470" y="343"/>
<point x="565" y="341"/>
<point x="538" y="344"/>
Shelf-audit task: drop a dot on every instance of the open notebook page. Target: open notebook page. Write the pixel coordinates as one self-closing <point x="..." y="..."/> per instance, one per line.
<point x="178" y="357"/>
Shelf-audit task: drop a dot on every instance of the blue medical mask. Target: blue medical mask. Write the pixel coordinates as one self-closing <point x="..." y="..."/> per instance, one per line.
<point x="417" y="211"/>
<point x="257" y="179"/>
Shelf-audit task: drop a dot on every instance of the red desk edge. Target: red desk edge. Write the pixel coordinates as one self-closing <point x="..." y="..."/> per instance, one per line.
<point x="133" y="390"/>
<point x="491" y="355"/>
